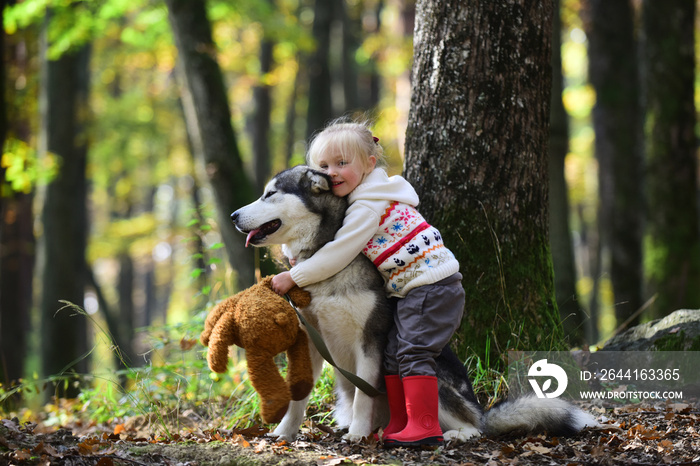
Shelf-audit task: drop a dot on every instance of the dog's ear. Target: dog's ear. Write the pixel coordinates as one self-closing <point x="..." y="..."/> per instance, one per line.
<point x="320" y="182"/>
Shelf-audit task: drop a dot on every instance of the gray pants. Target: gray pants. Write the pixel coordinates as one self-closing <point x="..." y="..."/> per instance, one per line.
<point x="424" y="322"/>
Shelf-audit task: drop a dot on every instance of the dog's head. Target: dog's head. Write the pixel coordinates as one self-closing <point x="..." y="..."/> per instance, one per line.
<point x="297" y="206"/>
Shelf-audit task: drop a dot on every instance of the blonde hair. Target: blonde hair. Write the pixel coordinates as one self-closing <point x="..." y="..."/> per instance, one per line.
<point x="353" y="140"/>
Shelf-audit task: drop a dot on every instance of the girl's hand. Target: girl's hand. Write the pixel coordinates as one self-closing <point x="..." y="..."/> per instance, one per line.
<point x="282" y="283"/>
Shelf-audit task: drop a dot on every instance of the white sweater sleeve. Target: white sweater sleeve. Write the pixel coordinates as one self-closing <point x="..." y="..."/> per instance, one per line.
<point x="359" y="226"/>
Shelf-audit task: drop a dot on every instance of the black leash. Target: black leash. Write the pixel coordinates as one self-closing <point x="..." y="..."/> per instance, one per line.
<point x="357" y="381"/>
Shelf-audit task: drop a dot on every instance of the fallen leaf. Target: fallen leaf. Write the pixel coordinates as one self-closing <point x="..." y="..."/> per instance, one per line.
<point x="21" y="455"/>
<point x="334" y="461"/>
<point x="43" y="449"/>
<point x="665" y="445"/>
<point x="680" y="407"/>
<point x="260" y="447"/>
<point x="240" y="441"/>
<point x="7" y="444"/>
<point x="186" y="345"/>
<point x="537" y="448"/>
<point x="641" y="432"/>
<point x="507" y="450"/>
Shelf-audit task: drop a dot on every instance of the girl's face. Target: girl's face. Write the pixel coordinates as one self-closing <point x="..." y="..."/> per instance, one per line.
<point x="346" y="175"/>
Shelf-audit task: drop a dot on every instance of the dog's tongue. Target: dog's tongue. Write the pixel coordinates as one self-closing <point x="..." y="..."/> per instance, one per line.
<point x="250" y="235"/>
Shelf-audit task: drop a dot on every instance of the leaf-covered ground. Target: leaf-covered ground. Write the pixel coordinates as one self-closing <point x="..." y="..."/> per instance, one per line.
<point x="639" y="434"/>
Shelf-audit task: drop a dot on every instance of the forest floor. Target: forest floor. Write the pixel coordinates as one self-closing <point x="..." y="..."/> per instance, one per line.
<point x="639" y="434"/>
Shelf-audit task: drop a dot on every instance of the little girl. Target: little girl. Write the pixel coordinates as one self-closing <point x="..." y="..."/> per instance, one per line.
<point x="382" y="223"/>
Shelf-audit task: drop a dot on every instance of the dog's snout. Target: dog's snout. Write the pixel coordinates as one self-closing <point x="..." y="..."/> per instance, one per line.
<point x="234" y="217"/>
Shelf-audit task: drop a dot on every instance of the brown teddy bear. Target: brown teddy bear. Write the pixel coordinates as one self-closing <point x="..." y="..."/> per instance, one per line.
<point x="264" y="324"/>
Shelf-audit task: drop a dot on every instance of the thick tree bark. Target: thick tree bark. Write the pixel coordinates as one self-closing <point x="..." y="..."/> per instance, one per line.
<point x="209" y="118"/>
<point x="64" y="216"/>
<point x="577" y="324"/>
<point x="673" y="240"/>
<point x="476" y="151"/>
<point x="613" y="71"/>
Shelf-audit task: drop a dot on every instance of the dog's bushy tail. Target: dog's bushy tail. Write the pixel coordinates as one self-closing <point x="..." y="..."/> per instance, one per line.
<point x="529" y="414"/>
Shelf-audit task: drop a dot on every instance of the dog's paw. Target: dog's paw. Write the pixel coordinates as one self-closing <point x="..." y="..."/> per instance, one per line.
<point x="354" y="438"/>
<point x="281" y="434"/>
<point x="462" y="435"/>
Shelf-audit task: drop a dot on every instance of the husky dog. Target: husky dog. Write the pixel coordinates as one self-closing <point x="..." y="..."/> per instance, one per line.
<point x="353" y="316"/>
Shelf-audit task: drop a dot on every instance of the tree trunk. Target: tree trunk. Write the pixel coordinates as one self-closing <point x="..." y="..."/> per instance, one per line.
<point x="17" y="242"/>
<point x="209" y="116"/>
<point x="673" y="240"/>
<point x="64" y="216"/>
<point x="320" y="109"/>
<point x="574" y="319"/>
<point x="349" y="17"/>
<point x="370" y="79"/>
<point x="3" y="101"/>
<point x="126" y="309"/>
<point x="407" y="23"/>
<point x="476" y="151"/>
<point x="17" y="245"/>
<point x="290" y="119"/>
<point x="614" y="73"/>
<point x="261" y="119"/>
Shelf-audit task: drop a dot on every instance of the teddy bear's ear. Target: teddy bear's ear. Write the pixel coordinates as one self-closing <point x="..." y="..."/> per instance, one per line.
<point x="266" y="281"/>
<point x="320" y="182"/>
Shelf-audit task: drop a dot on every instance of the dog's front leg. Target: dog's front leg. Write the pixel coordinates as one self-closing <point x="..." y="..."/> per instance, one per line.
<point x="362" y="414"/>
<point x="289" y="427"/>
<point x="363" y="405"/>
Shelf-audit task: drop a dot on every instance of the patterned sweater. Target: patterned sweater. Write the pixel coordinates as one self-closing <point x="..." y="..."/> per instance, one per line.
<point x="382" y="223"/>
<point x="408" y="251"/>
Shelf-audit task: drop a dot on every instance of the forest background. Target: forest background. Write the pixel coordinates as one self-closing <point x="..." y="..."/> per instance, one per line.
<point x="148" y="255"/>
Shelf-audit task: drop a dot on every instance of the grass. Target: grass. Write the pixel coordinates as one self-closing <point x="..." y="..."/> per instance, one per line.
<point x="489" y="384"/>
<point x="176" y="380"/>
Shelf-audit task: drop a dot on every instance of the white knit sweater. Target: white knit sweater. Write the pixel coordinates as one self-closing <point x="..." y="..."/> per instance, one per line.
<point x="382" y="223"/>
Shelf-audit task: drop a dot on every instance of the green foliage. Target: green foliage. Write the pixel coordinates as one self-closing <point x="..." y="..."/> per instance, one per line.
<point x="74" y="23"/>
<point x="23" y="169"/>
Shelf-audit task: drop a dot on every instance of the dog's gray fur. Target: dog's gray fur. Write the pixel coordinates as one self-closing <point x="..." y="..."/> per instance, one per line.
<point x="353" y="316"/>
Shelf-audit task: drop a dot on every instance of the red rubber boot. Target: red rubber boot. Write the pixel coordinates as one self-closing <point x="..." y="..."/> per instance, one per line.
<point x="423" y="426"/>
<point x="397" y="405"/>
